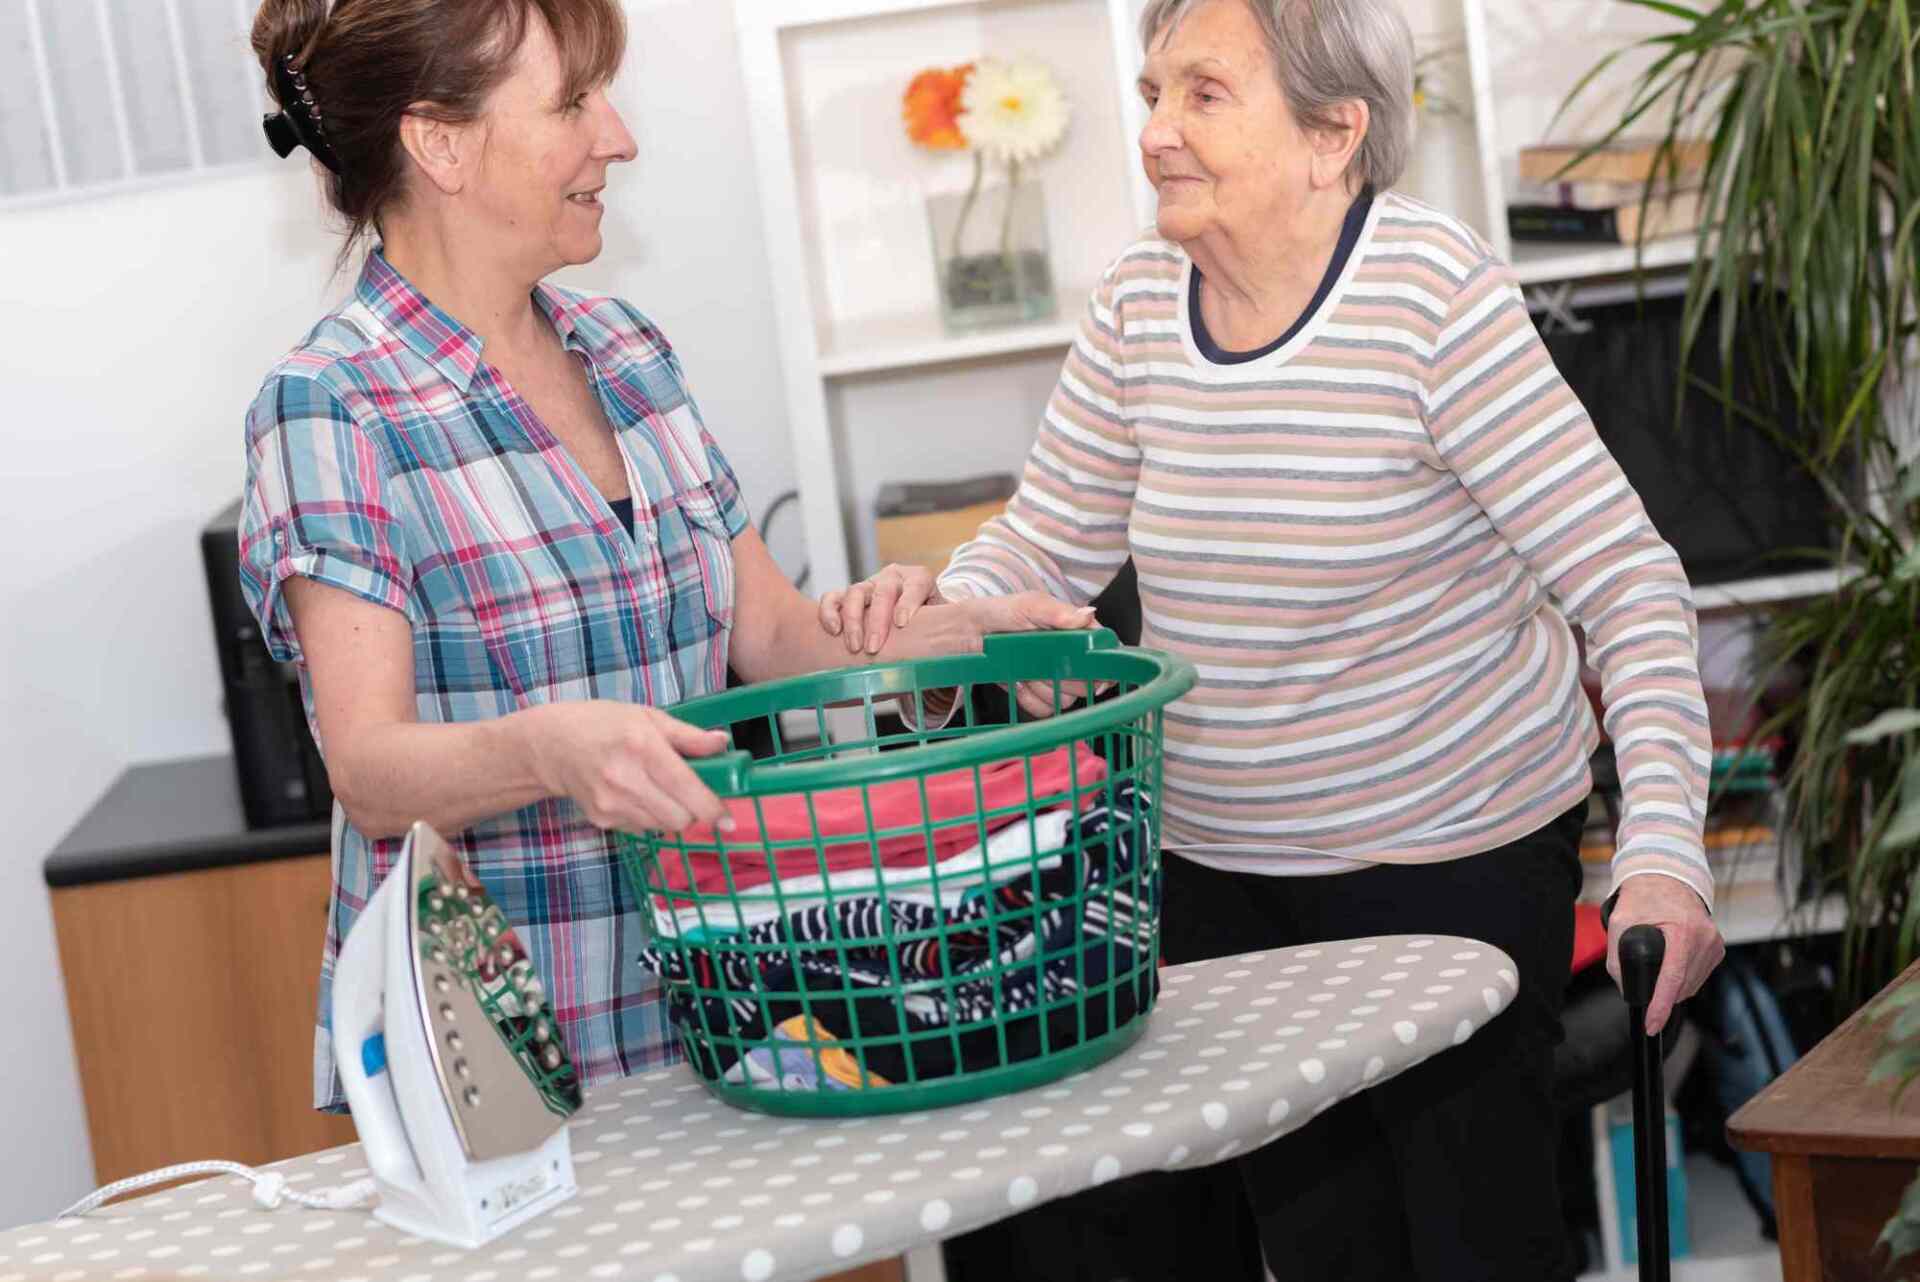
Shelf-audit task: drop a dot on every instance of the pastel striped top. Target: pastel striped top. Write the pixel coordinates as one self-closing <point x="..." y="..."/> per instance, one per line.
<point x="1369" y="541"/>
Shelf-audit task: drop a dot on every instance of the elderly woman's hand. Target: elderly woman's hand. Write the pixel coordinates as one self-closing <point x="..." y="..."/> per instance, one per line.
<point x="866" y="613"/>
<point x="1694" y="946"/>
<point x="960" y="627"/>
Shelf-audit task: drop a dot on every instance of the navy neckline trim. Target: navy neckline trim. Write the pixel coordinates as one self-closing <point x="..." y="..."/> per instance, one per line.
<point x="1350" y="230"/>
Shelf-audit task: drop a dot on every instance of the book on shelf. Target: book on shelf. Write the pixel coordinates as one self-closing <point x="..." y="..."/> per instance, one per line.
<point x="1742" y="831"/>
<point x="1740" y="850"/>
<point x="1588" y="194"/>
<point x="1623" y="160"/>
<point x="1675" y="215"/>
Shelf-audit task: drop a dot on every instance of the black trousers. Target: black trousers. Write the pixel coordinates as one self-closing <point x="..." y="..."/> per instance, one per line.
<point x="1444" y="1173"/>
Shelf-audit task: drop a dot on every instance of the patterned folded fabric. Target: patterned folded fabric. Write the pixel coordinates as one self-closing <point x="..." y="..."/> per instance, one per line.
<point x="1033" y="962"/>
<point x="885" y="824"/>
<point x="1016" y="848"/>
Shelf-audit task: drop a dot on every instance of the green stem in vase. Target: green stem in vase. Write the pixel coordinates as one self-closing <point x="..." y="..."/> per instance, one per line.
<point x="1006" y="215"/>
<point x="966" y="208"/>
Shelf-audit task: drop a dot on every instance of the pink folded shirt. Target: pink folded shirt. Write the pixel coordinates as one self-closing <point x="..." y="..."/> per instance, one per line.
<point x="952" y="804"/>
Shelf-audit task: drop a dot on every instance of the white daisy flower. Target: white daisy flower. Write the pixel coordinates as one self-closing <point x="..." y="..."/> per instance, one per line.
<point x="1012" y="111"/>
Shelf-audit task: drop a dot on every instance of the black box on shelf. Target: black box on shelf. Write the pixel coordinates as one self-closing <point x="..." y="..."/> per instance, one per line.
<point x="1731" y="500"/>
<point x="282" y="778"/>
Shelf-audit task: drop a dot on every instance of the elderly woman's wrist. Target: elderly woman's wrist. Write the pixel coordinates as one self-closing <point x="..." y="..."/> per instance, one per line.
<point x="1642" y="886"/>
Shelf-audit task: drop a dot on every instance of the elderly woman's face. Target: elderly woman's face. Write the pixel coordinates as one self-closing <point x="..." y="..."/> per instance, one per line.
<point x="1221" y="146"/>
<point x="546" y="158"/>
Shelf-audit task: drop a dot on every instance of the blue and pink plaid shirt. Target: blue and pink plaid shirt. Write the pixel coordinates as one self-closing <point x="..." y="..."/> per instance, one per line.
<point x="386" y="459"/>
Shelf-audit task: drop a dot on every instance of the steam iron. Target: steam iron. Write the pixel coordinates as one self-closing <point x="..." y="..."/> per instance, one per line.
<point x="452" y="1062"/>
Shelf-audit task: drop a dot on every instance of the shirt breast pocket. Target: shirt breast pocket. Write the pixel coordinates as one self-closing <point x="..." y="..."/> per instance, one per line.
<point x="698" y="552"/>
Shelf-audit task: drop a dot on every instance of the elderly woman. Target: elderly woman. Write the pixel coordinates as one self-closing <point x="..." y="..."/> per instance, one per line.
<point x="1361" y="500"/>
<point x="482" y="512"/>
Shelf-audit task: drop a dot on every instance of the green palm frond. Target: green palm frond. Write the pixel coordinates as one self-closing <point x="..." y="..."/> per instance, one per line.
<point x="1810" y="258"/>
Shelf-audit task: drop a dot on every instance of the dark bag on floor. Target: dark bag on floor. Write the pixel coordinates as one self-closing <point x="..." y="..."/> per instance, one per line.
<point x="1748" y="1045"/>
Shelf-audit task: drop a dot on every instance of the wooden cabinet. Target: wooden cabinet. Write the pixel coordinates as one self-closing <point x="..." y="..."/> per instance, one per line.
<point x="1843" y="1151"/>
<point x="192" y="998"/>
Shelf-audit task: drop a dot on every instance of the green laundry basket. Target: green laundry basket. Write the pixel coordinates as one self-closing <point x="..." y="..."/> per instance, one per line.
<point x="1032" y="957"/>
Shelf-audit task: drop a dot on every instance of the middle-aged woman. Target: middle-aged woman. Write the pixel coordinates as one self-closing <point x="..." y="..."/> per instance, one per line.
<point x="1362" y="501"/>
<point x="482" y="512"/>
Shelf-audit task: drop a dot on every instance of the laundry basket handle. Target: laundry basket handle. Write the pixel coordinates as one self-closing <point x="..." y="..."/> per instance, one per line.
<point x="1036" y="651"/>
<point x="725" y="772"/>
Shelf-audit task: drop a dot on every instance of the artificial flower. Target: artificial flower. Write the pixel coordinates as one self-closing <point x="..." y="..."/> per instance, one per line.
<point x="931" y="105"/>
<point x="1012" y="111"/>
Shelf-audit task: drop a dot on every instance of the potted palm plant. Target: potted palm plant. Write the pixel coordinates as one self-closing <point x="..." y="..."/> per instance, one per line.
<point x="1807" y="259"/>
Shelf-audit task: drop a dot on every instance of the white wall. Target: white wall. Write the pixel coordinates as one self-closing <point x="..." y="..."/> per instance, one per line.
<point x="133" y="332"/>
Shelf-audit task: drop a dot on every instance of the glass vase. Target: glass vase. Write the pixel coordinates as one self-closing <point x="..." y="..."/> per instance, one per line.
<point x="990" y="256"/>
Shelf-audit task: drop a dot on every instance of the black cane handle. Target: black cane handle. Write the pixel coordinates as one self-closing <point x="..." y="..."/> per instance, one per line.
<point x="1642" y="949"/>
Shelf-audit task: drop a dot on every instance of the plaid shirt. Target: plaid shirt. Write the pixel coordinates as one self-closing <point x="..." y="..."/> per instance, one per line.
<point x="385" y="459"/>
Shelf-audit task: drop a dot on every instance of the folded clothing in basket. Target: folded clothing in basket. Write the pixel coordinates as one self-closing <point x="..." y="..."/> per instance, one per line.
<point x="1019" y="847"/>
<point x="997" y="968"/>
<point x="794" y="835"/>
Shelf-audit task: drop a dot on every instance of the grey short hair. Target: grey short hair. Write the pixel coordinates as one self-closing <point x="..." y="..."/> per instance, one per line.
<point x="1328" y="52"/>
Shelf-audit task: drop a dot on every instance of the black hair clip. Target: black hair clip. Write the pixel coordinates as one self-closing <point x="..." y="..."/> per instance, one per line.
<point x="298" y="123"/>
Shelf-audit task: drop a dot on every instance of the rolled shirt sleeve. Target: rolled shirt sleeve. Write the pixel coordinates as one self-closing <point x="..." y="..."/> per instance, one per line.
<point x="317" y="504"/>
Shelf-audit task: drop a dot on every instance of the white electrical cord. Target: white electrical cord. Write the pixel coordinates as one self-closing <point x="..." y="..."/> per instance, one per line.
<point x="269" y="1188"/>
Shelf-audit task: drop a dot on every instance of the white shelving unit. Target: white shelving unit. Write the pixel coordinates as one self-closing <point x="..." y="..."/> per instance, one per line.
<point x="1541" y="262"/>
<point x="908" y="340"/>
<point x="1748" y="594"/>
<point x="875" y="387"/>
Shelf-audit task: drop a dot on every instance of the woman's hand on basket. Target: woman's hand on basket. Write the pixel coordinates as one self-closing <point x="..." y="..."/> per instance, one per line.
<point x="864" y="614"/>
<point x="1034" y="612"/>
<point x="624" y="764"/>
<point x="961" y="627"/>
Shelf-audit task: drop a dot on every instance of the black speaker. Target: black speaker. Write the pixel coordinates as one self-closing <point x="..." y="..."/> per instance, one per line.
<point x="282" y="778"/>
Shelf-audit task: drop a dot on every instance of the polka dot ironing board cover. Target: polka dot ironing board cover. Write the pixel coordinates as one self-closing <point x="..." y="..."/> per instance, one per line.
<point x="676" y="1186"/>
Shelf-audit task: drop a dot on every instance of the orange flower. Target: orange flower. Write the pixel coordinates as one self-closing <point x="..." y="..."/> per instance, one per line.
<point x="931" y="104"/>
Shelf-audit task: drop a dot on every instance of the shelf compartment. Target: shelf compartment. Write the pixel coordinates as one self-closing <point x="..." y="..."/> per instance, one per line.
<point x="1768" y="590"/>
<point x="861" y="185"/>
<point x="908" y="339"/>
<point x="1538" y="262"/>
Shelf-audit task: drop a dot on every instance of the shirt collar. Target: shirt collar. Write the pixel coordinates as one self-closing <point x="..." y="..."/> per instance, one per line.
<point x="562" y="313"/>
<point x="437" y="338"/>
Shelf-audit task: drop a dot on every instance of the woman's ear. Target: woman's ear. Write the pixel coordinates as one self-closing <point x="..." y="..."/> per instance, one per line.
<point x="442" y="152"/>
<point x="1335" y="143"/>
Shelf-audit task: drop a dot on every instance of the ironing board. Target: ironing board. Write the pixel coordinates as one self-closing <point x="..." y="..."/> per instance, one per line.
<point x="676" y="1187"/>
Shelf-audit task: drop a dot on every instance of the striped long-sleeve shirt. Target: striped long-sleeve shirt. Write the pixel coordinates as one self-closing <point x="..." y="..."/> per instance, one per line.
<point x="1369" y="542"/>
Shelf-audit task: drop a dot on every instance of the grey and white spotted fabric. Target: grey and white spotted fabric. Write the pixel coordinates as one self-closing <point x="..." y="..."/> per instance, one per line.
<point x="676" y="1187"/>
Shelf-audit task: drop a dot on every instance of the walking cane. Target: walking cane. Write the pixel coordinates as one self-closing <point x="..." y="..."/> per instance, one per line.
<point x="1642" y="948"/>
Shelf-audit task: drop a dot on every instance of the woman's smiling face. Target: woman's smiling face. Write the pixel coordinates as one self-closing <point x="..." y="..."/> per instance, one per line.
<point x="546" y="158"/>
<point x="1221" y="146"/>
